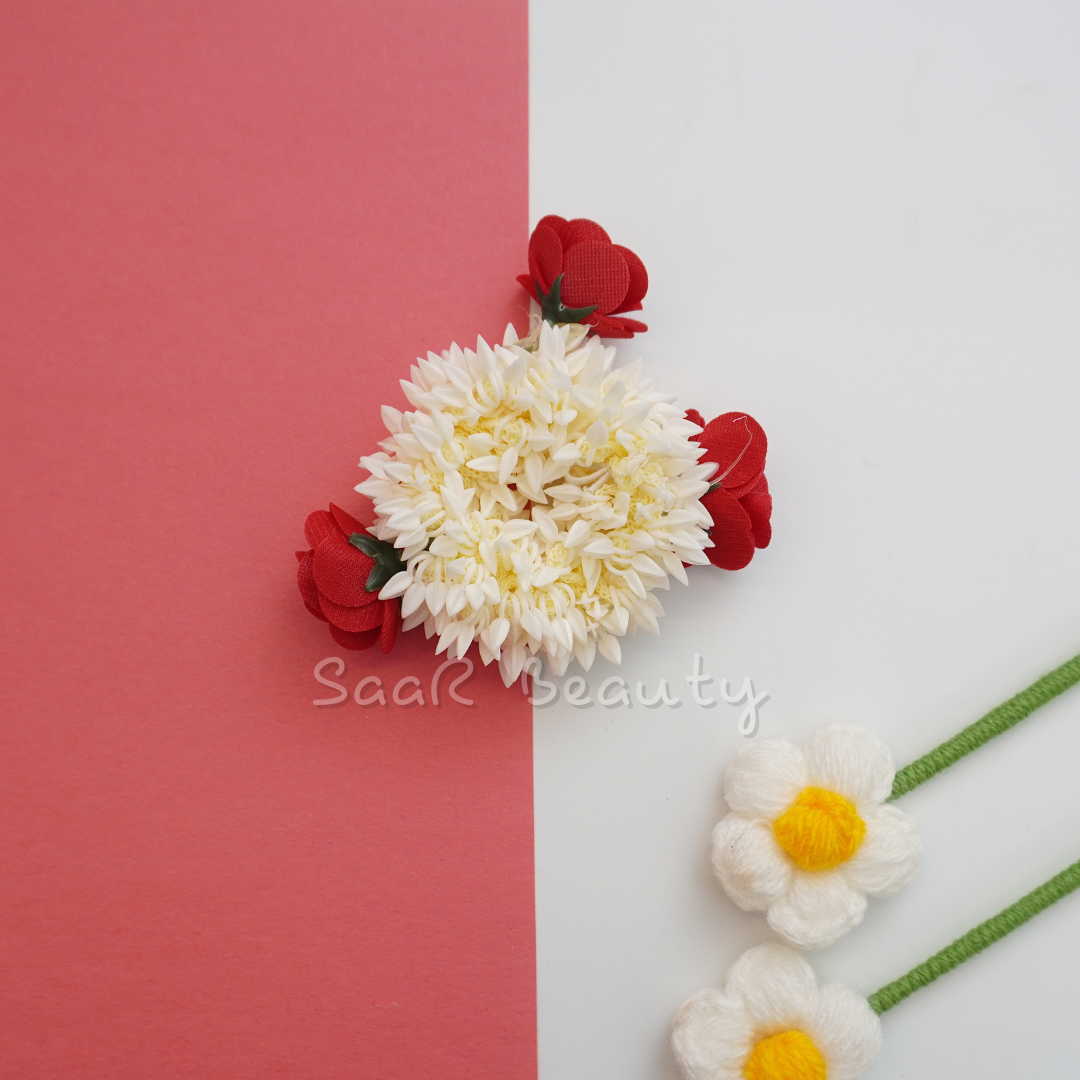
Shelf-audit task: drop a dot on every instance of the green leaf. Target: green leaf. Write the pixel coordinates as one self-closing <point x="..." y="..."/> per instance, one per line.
<point x="378" y="577"/>
<point x="367" y="544"/>
<point x="387" y="560"/>
<point x="551" y="305"/>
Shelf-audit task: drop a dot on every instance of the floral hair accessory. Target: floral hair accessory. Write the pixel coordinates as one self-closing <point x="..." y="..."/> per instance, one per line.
<point x="576" y="274"/>
<point x="810" y="836"/>
<point x="340" y="578"/>
<point x="771" y="1021"/>
<point x="539" y="499"/>
<point x="538" y="496"/>
<point x="738" y="502"/>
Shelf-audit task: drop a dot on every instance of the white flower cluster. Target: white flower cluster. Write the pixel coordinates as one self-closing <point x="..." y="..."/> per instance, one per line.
<point x="539" y="496"/>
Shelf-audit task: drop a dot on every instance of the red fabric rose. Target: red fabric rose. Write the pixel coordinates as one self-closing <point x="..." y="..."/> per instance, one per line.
<point x="578" y="258"/>
<point x="740" y="504"/>
<point x="332" y="576"/>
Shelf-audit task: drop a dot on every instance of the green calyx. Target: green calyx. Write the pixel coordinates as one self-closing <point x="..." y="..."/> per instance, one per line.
<point x="551" y="305"/>
<point x="387" y="563"/>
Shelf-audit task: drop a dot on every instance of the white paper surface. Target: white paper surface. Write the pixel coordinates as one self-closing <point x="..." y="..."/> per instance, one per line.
<point x="860" y="224"/>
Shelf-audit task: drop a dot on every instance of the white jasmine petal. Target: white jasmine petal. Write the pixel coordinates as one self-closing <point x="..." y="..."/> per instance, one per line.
<point x="546" y="575"/>
<point x="436" y="596"/>
<point x="412" y="599"/>
<point x="395" y="586"/>
<point x="519" y="528"/>
<point x="578" y="531"/>
<point x="599" y="548"/>
<point x="417" y="618"/>
<point x="485" y="464"/>
<point x="609" y="647"/>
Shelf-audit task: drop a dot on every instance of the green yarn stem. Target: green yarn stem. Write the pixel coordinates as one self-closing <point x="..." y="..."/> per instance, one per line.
<point x="998" y="720"/>
<point x="974" y="941"/>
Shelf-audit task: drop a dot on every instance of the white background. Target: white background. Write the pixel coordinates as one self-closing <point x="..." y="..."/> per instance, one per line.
<point x="860" y="223"/>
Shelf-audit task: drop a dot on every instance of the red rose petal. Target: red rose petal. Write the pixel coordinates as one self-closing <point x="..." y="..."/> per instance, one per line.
<point x="318" y="527"/>
<point x="553" y="221"/>
<point x="306" y="580"/>
<point x="609" y="328"/>
<point x="582" y="229"/>
<point x="639" y="280"/>
<point x="391" y="611"/>
<point x="737" y="443"/>
<point x="352" y="619"/>
<point x="613" y="327"/>
<point x="733" y="540"/>
<point x="340" y="572"/>
<point x="529" y="285"/>
<point x="695" y="417"/>
<point x="363" y="640"/>
<point x="758" y="504"/>
<point x="594" y="273"/>
<point x="346" y="522"/>
<point x="545" y="256"/>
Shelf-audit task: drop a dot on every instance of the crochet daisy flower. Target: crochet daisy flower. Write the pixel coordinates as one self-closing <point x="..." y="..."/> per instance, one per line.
<point x="808" y="838"/>
<point x="772" y="1021"/>
<point x="539" y="496"/>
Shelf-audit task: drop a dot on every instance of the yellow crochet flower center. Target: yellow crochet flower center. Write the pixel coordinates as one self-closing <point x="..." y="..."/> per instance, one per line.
<point x="820" y="829"/>
<point x="791" y="1055"/>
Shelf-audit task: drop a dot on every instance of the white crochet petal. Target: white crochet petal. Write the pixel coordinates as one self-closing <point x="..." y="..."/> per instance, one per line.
<point x="749" y="862"/>
<point x="712" y="1037"/>
<point x="846" y="1031"/>
<point x="889" y="856"/>
<point x="851" y="761"/>
<point x="763" y="779"/>
<point x="776" y="985"/>
<point x="817" y="910"/>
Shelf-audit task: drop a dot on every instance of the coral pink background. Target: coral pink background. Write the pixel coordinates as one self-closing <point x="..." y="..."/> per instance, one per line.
<point x="227" y="229"/>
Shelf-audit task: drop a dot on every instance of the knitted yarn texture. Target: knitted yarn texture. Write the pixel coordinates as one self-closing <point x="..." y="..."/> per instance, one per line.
<point x="974" y="941"/>
<point x="994" y="723"/>
<point x="809" y="839"/>
<point x="771" y="1021"/>
<point x="809" y="836"/>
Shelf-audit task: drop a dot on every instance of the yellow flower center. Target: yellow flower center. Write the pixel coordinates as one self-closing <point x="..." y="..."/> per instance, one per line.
<point x="819" y="830"/>
<point x="790" y="1055"/>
